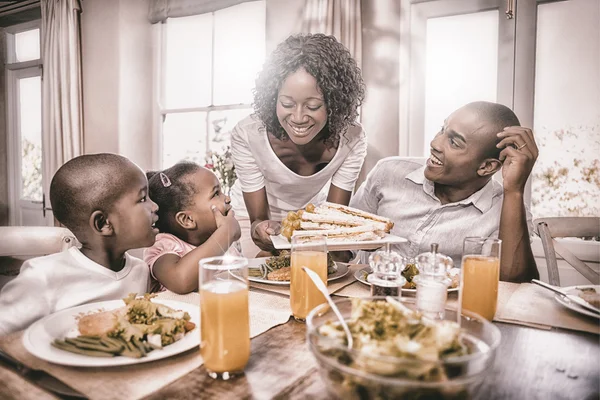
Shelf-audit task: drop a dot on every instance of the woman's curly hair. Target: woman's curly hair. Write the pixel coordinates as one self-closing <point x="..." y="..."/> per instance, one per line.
<point x="337" y="75"/>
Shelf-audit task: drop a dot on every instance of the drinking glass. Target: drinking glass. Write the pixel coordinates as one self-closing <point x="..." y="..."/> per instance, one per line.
<point x="480" y="275"/>
<point x="311" y="252"/>
<point x="224" y="316"/>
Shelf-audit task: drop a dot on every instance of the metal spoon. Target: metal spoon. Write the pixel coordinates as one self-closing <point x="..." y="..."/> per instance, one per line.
<point x="323" y="289"/>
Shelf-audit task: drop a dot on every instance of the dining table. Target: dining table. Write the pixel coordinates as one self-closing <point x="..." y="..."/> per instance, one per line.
<point x="533" y="361"/>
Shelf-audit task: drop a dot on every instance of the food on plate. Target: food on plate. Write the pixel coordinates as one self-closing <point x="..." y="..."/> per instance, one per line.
<point x="591" y="296"/>
<point x="134" y="330"/>
<point x="389" y="329"/>
<point x="339" y="223"/>
<point x="411" y="270"/>
<point x="277" y="268"/>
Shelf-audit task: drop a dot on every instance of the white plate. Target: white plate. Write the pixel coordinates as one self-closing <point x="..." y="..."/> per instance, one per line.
<point x="342" y="270"/>
<point x="281" y="243"/>
<point x="575" y="292"/>
<point x="360" y="273"/>
<point x="39" y="336"/>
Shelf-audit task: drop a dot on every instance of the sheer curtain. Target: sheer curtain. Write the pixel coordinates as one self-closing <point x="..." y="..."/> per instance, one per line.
<point x="340" y="18"/>
<point x="62" y="105"/>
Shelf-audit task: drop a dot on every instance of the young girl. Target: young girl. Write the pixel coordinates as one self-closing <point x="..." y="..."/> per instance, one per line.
<point x="195" y="220"/>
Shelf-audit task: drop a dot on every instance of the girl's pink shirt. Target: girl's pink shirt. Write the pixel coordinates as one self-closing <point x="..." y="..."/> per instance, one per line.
<point x="169" y="244"/>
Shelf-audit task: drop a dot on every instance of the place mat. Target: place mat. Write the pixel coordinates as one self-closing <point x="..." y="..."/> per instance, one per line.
<point x="332" y="286"/>
<point x="139" y="380"/>
<point x="533" y="304"/>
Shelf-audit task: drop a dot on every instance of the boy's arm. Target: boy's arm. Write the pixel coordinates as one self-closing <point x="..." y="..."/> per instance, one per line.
<point x="517" y="261"/>
<point x="180" y="274"/>
<point x="23" y="301"/>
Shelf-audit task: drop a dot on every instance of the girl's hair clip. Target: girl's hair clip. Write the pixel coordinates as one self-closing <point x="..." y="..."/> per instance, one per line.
<point x="166" y="182"/>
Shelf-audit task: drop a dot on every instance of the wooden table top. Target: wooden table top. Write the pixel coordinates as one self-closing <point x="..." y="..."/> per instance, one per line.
<point x="530" y="364"/>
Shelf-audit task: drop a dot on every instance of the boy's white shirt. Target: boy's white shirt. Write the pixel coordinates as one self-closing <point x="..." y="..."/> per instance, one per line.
<point x="59" y="281"/>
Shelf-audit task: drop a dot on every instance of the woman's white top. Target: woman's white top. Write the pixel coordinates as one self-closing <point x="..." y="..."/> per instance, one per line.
<point x="257" y="166"/>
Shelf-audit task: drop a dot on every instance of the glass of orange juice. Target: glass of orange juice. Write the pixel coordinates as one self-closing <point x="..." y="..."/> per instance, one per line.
<point x="311" y="252"/>
<point x="224" y="315"/>
<point x="480" y="275"/>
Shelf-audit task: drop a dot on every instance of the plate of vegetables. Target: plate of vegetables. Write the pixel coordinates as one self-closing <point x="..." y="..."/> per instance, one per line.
<point x="117" y="332"/>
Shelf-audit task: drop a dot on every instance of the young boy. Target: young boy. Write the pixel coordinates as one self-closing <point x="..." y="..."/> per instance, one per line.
<point x="103" y="199"/>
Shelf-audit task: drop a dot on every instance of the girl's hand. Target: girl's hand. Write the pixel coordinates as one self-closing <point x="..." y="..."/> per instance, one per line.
<point x="261" y="232"/>
<point x="227" y="222"/>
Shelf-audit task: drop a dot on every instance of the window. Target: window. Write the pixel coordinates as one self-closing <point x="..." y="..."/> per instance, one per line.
<point x="208" y="66"/>
<point x="544" y="63"/>
<point x="566" y="177"/>
<point x="24" y="118"/>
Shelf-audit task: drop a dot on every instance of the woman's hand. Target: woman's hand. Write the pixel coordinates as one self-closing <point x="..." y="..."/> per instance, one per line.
<point x="261" y="232"/>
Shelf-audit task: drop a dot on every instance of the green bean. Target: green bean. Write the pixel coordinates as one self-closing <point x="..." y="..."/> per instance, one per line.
<point x="138" y="344"/>
<point x="91" y="346"/>
<point x="74" y="349"/>
<point x="113" y="343"/>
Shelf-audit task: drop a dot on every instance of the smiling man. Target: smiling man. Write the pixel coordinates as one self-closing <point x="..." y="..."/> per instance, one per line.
<point x="454" y="196"/>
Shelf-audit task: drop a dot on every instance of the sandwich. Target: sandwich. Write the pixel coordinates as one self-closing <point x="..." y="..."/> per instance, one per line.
<point x="338" y="222"/>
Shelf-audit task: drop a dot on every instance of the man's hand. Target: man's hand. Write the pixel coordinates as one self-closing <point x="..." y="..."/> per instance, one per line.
<point x="518" y="157"/>
<point x="261" y="232"/>
<point x="227" y="221"/>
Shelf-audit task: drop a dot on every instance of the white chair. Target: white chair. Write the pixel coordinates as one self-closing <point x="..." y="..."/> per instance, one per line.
<point x="562" y="227"/>
<point x="32" y="241"/>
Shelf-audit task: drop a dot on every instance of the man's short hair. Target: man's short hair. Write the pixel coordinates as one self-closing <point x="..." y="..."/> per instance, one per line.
<point x="88" y="183"/>
<point x="498" y="117"/>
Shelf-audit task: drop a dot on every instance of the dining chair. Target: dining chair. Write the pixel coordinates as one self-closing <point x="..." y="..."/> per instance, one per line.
<point x="31" y="241"/>
<point x="560" y="227"/>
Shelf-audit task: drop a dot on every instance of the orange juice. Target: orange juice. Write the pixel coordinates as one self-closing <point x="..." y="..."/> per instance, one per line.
<point x="304" y="295"/>
<point x="224" y="326"/>
<point x="480" y="285"/>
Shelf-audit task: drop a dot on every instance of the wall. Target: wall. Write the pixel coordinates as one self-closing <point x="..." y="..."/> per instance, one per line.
<point x="3" y="137"/>
<point x="117" y="78"/>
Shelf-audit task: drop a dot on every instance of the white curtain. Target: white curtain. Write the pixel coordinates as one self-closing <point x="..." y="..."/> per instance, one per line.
<point x="62" y="104"/>
<point x="340" y="18"/>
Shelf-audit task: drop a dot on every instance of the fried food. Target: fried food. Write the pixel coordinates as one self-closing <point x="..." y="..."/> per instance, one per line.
<point x="282" y="274"/>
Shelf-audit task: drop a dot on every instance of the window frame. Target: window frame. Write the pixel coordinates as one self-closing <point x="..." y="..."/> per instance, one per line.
<point x="13" y="72"/>
<point x="160" y="111"/>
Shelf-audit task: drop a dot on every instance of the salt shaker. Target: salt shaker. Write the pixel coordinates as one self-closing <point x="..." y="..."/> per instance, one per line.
<point x="432" y="282"/>
<point x="386" y="279"/>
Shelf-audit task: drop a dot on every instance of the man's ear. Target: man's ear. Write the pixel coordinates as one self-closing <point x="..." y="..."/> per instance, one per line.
<point x="185" y="220"/>
<point x="489" y="167"/>
<point x="100" y="224"/>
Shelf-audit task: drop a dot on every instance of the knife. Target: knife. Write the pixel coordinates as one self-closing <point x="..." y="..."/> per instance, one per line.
<point x="575" y="299"/>
<point x="41" y="378"/>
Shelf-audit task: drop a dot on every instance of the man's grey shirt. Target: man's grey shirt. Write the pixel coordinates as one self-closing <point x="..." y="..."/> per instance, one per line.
<point x="397" y="189"/>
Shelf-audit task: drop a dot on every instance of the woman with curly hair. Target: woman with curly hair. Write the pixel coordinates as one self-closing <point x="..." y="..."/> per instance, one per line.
<point x="303" y="144"/>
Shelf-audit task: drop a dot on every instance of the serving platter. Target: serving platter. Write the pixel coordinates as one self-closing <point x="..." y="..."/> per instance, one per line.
<point x="38" y="337"/>
<point x="342" y="270"/>
<point x="280" y="242"/>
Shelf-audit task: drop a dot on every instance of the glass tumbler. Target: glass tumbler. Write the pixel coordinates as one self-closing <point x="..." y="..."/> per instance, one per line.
<point x="224" y="315"/>
<point x="311" y="252"/>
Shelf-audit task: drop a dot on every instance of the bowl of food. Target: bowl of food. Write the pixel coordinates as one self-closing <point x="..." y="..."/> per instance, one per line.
<point x="398" y="353"/>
